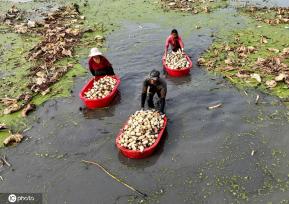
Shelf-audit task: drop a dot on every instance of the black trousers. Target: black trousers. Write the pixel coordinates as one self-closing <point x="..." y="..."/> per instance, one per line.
<point x="151" y="101"/>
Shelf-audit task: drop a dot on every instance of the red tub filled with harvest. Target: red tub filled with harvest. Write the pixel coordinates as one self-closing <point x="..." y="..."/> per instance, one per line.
<point x="99" y="91"/>
<point x="177" y="64"/>
<point x="142" y="133"/>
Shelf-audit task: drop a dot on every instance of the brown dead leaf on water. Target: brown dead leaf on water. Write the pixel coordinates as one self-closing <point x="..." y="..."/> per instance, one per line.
<point x="280" y="77"/>
<point x="271" y="83"/>
<point x="29" y="108"/>
<point x="228" y="68"/>
<point x="274" y="50"/>
<point x="3" y="126"/>
<point x="241" y="75"/>
<point x="11" y="109"/>
<point x="257" y="77"/>
<point x="228" y="61"/>
<point x="12" y="139"/>
<point x="263" y="40"/>
<point x="201" y="61"/>
<point x="21" y="28"/>
<point x="206" y="9"/>
<point x="66" y="52"/>
<point x="285" y="51"/>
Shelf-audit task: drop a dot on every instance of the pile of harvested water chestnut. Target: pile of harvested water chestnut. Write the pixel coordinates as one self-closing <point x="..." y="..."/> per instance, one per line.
<point x="101" y="88"/>
<point x="177" y="60"/>
<point x="141" y="130"/>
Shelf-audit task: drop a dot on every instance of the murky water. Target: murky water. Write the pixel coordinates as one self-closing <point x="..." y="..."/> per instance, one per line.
<point x="270" y="3"/>
<point x="200" y="146"/>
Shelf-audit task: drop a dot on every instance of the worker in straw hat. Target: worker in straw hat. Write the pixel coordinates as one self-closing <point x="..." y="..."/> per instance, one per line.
<point x="152" y="85"/>
<point x="98" y="64"/>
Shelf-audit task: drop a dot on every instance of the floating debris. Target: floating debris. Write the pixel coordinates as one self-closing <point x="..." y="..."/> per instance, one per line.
<point x="274" y="50"/>
<point x="280" y="77"/>
<point x="271" y="83"/>
<point x="60" y="30"/>
<point x="3" y="126"/>
<point x="60" y="35"/>
<point x="12" y="139"/>
<point x="201" y="61"/>
<point x="275" y="66"/>
<point x="215" y="106"/>
<point x="31" y="24"/>
<point x="114" y="177"/>
<point x="30" y="107"/>
<point x="15" y="104"/>
<point x="257" y="99"/>
<point x="193" y="6"/>
<point x="257" y="77"/>
<point x="141" y="130"/>
<point x="263" y="40"/>
<point x="177" y="60"/>
<point x="271" y="16"/>
<point x="101" y="88"/>
<point x="4" y="161"/>
<point x="13" y="15"/>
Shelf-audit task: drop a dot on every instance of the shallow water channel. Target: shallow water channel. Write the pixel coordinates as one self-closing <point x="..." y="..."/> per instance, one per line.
<point x="205" y="157"/>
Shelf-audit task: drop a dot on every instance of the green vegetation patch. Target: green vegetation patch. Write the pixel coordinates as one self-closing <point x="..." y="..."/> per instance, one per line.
<point x="252" y="57"/>
<point x="194" y="7"/>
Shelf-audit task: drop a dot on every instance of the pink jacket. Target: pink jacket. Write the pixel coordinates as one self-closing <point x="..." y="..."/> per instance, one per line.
<point x="170" y="41"/>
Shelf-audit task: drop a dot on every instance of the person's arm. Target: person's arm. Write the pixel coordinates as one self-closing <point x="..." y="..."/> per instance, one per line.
<point x="181" y="43"/>
<point x="163" y="100"/>
<point x="105" y="62"/>
<point x="162" y="106"/>
<point x="90" y="67"/>
<point x="144" y="94"/>
<point x="167" y="45"/>
<point x="107" y="65"/>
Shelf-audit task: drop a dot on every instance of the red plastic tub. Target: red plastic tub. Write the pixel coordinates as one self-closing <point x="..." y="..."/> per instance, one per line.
<point x="98" y="103"/>
<point x="178" y="72"/>
<point x="136" y="154"/>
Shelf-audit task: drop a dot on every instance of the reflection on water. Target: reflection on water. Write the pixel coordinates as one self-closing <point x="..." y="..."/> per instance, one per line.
<point x="101" y="113"/>
<point x="146" y="162"/>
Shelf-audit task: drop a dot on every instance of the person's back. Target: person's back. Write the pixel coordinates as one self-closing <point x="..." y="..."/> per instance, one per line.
<point x="98" y="64"/>
<point x="175" y="41"/>
<point x="154" y="85"/>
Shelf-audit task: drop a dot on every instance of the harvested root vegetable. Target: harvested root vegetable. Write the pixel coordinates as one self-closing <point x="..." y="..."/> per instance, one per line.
<point x="16" y="138"/>
<point x="176" y="60"/>
<point x="141" y="130"/>
<point x="101" y="88"/>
